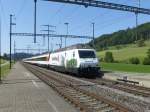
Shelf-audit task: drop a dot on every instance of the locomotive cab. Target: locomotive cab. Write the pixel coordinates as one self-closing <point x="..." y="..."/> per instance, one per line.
<point x="88" y="62"/>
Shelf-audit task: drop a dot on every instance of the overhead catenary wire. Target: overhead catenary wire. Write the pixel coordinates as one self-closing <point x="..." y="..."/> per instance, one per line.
<point x="22" y="7"/>
<point x="0" y="52"/>
<point x="105" y="24"/>
<point x="3" y="12"/>
<point x="86" y="23"/>
<point x="116" y="22"/>
<point x="68" y="16"/>
<point x="75" y="9"/>
<point x="58" y="11"/>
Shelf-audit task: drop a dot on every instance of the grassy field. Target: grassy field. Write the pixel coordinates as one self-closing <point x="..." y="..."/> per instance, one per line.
<point x="3" y="61"/>
<point x="123" y="54"/>
<point x="125" y="67"/>
<point x="5" y="70"/>
<point x="126" y="52"/>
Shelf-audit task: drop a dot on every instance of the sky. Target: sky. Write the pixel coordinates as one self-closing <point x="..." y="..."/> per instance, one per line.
<point x="79" y="19"/>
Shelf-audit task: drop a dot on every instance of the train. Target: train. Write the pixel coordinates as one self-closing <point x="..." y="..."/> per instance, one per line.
<point x="77" y="60"/>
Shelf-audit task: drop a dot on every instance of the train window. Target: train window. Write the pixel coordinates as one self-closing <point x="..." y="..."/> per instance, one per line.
<point x="86" y="54"/>
<point x="40" y="59"/>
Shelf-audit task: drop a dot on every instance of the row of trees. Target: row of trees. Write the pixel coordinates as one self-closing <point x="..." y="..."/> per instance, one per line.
<point x="123" y="37"/>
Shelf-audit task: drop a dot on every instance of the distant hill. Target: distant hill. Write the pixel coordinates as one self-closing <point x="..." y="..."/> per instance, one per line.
<point x="122" y="37"/>
<point x="17" y="56"/>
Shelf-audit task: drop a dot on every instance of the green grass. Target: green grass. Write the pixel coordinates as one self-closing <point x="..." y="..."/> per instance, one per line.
<point x="125" y="67"/>
<point x="3" y="61"/>
<point x="126" y="52"/>
<point x="123" y="55"/>
<point x="5" y="70"/>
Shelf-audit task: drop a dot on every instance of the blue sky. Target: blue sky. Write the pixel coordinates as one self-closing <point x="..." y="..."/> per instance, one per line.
<point x="78" y="17"/>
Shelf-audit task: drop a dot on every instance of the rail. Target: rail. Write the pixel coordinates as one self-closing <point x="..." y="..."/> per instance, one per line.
<point x="87" y="101"/>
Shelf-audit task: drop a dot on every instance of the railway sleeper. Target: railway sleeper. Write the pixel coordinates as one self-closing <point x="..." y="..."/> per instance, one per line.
<point x="92" y="100"/>
<point x="76" y="101"/>
<point x="102" y="106"/>
<point x="109" y="109"/>
<point x="133" y="91"/>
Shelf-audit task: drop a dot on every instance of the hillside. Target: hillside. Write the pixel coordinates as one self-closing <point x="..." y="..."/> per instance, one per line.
<point x="126" y="52"/>
<point x="122" y="37"/>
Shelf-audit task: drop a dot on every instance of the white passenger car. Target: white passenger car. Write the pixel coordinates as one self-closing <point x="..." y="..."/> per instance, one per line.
<point x="41" y="60"/>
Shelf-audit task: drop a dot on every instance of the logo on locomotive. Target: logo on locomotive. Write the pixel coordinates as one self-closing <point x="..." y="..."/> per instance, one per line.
<point x="56" y="58"/>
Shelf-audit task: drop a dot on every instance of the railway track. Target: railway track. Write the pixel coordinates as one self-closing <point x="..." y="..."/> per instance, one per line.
<point x="86" y="101"/>
<point x="133" y="89"/>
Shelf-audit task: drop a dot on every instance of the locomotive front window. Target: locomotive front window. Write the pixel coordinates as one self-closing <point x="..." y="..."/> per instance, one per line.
<point x="86" y="54"/>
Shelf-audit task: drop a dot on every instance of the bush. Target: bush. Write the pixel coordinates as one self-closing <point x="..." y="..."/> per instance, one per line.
<point x="108" y="57"/>
<point x="118" y="47"/>
<point x="148" y="53"/>
<point x="146" y="61"/>
<point x="140" y="43"/>
<point x="134" y="60"/>
<point x="101" y="59"/>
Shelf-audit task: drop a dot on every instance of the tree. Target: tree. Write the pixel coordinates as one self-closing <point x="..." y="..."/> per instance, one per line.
<point x="123" y="37"/>
<point x="5" y="56"/>
<point x="109" y="57"/>
<point x="146" y="60"/>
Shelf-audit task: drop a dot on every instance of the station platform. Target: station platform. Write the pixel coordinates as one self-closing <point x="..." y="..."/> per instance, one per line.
<point x="21" y="91"/>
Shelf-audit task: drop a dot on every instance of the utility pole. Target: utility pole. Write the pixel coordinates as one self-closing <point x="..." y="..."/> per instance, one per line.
<point x="35" y="5"/>
<point x="11" y="23"/>
<point x="60" y="42"/>
<point x="28" y="47"/>
<point x="67" y="33"/>
<point x="93" y="24"/>
<point x="39" y="49"/>
<point x="0" y="53"/>
<point x="48" y="32"/>
<point x="14" y="51"/>
<point x="59" y="45"/>
<point x="44" y="40"/>
<point x="136" y="14"/>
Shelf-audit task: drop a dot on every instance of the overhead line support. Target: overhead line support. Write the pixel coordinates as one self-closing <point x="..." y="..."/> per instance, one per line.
<point x="35" y="2"/>
<point x="48" y="34"/>
<point x="107" y="5"/>
<point x="11" y="24"/>
<point x="51" y="35"/>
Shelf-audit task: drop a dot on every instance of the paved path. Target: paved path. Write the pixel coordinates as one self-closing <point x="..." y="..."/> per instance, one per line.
<point x="21" y="91"/>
